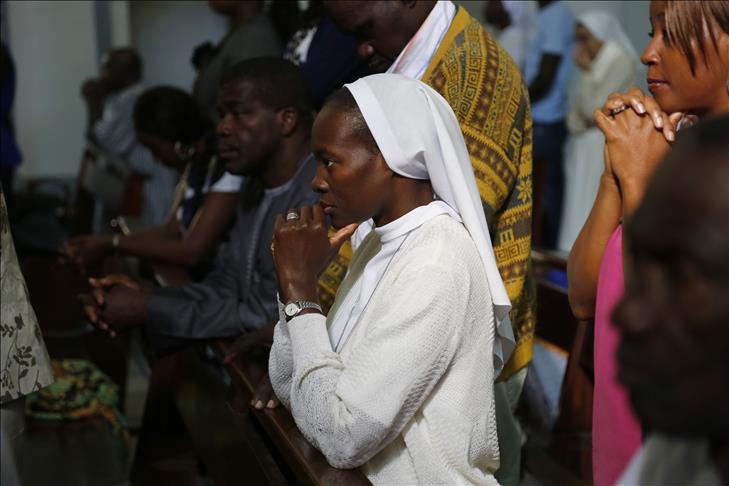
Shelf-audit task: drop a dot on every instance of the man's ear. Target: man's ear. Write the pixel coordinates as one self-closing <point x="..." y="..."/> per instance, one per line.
<point x="288" y="120"/>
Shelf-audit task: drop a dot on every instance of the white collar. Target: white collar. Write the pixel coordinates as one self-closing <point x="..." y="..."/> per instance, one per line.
<point x="417" y="54"/>
<point x="391" y="237"/>
<point x="413" y="219"/>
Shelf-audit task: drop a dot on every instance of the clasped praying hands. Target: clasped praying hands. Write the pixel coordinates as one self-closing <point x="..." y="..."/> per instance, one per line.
<point x="637" y="137"/>
<point x="116" y="302"/>
<point x="302" y="248"/>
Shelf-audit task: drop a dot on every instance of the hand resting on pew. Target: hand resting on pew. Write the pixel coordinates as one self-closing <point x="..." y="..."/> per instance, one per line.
<point x="263" y="395"/>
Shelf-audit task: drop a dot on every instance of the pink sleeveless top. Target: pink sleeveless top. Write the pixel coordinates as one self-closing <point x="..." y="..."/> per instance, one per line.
<point x="616" y="434"/>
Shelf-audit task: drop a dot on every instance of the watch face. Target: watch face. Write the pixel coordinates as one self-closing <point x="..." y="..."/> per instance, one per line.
<point x="291" y="309"/>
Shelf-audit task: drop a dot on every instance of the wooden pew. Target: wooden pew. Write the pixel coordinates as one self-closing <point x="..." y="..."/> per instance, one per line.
<point x="308" y="464"/>
<point x="571" y="440"/>
<point x="270" y="448"/>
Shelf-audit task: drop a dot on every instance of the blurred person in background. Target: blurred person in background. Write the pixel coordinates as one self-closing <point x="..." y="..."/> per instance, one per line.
<point x="110" y="102"/>
<point x="547" y="72"/>
<point x="608" y="62"/>
<point x="251" y="34"/>
<point x="517" y="24"/>
<point x="327" y="57"/>
<point x="10" y="156"/>
<point x="168" y="122"/>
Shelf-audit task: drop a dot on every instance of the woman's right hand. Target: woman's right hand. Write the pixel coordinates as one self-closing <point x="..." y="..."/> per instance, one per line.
<point x="643" y="105"/>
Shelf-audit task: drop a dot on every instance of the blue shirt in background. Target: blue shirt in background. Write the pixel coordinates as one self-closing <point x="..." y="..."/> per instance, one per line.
<point x="555" y="35"/>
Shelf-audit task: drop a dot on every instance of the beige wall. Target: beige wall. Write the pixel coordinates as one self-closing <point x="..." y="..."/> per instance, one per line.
<point x="166" y="31"/>
<point x="54" y="47"/>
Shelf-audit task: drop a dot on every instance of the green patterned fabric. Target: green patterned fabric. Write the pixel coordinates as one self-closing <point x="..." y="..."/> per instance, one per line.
<point x="80" y="390"/>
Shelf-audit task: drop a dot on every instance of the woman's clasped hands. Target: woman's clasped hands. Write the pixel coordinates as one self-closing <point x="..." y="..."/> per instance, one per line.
<point x="638" y="134"/>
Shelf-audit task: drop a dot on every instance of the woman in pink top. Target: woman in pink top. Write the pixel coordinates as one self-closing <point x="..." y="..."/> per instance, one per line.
<point x="688" y="76"/>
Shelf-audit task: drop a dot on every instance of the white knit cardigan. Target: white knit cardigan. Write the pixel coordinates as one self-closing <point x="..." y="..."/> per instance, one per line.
<point x="410" y="396"/>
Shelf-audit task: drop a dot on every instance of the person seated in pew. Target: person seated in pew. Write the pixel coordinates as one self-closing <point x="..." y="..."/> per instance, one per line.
<point x="674" y="316"/>
<point x="398" y="378"/>
<point x="168" y="122"/>
<point x="110" y="101"/>
<point x="264" y="133"/>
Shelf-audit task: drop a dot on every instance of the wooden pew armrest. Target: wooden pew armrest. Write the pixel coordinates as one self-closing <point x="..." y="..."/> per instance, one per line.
<point x="307" y="463"/>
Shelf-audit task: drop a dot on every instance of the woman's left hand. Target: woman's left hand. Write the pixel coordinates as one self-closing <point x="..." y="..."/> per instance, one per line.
<point x="302" y="249"/>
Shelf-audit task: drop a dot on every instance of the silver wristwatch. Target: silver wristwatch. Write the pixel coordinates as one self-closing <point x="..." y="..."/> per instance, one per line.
<point x="294" y="308"/>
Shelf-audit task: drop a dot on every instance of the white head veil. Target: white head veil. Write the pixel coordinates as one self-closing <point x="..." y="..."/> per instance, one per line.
<point x="607" y="28"/>
<point x="419" y="137"/>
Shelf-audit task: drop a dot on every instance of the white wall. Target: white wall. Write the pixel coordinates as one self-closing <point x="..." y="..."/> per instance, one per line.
<point x="166" y="32"/>
<point x="54" y="47"/>
<point x="121" y="33"/>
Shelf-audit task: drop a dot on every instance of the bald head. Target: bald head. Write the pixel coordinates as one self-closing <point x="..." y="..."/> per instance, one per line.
<point x="121" y="68"/>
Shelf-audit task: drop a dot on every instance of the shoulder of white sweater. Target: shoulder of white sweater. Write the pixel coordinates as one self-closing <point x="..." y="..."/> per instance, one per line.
<point x="443" y="241"/>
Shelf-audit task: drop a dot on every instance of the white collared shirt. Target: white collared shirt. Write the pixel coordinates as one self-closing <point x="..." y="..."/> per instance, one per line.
<point x="415" y="58"/>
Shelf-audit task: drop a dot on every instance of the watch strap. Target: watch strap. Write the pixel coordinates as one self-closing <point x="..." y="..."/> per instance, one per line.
<point x="302" y="305"/>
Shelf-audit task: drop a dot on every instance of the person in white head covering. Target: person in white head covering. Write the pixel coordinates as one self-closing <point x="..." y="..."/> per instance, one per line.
<point x="399" y="377"/>
<point x="608" y="63"/>
<point x="516" y="20"/>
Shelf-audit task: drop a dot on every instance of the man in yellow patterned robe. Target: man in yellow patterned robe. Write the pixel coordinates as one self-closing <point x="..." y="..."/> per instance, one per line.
<point x="445" y="47"/>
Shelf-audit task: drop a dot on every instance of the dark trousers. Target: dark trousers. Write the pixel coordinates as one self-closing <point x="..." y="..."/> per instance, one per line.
<point x="549" y="139"/>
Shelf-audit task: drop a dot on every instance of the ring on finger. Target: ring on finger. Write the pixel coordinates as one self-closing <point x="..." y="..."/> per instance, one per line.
<point x="292" y="216"/>
<point x="617" y="110"/>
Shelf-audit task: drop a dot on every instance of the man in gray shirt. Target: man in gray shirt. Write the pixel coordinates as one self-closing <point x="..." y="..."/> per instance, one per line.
<point x="264" y="132"/>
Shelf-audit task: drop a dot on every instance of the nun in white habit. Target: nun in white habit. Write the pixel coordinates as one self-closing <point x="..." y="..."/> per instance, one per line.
<point x="399" y="378"/>
<point x="608" y="63"/>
